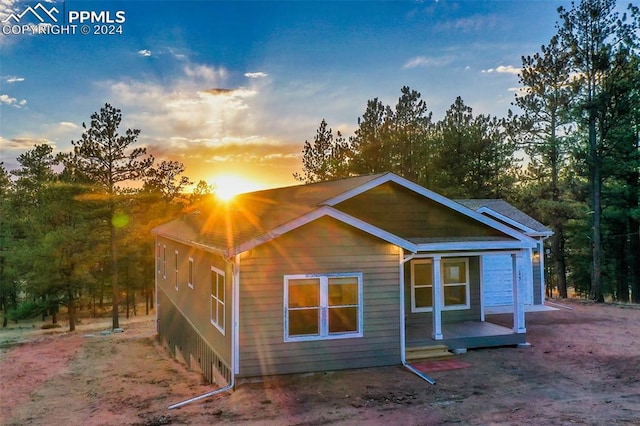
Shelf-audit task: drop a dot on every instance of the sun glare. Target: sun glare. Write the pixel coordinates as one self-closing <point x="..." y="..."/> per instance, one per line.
<point x="228" y="186"/>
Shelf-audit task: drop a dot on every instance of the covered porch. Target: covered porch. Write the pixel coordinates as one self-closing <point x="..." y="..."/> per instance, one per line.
<point x="464" y="335"/>
<point x="439" y="320"/>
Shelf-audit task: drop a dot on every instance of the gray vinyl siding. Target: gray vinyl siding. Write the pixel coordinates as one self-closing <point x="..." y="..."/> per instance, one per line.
<point x="410" y="215"/>
<point x="537" y="278"/>
<point x="471" y="314"/>
<point x="195" y="303"/>
<point x="323" y="246"/>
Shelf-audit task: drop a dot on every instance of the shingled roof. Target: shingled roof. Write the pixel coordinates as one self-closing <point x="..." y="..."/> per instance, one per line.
<point x="222" y="225"/>
<point x="506" y="210"/>
<point x="230" y="227"/>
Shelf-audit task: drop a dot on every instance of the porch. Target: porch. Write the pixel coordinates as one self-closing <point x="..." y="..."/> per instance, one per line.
<point x="464" y="335"/>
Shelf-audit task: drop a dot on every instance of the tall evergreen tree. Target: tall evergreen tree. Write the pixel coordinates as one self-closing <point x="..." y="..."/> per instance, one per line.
<point x="594" y="34"/>
<point x="546" y="123"/>
<point x="108" y="159"/>
<point x="326" y="159"/>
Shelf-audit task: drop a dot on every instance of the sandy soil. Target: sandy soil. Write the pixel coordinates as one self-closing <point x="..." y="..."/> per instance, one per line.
<point x="583" y="368"/>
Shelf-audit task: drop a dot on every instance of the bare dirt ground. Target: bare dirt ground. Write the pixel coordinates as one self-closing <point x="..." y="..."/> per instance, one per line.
<point x="583" y="368"/>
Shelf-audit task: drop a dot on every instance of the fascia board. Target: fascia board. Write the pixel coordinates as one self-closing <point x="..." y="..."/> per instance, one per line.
<point x="476" y="245"/>
<point x="211" y="249"/>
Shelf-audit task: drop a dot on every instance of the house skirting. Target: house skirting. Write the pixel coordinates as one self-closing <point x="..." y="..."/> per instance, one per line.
<point x="185" y="343"/>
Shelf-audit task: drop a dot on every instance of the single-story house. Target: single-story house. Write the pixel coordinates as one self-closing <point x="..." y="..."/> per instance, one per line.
<point x="335" y="275"/>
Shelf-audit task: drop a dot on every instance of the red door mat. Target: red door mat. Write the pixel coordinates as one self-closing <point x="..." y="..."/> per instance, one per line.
<point x="440" y="365"/>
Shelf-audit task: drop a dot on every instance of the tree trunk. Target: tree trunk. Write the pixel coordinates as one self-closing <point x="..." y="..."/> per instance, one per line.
<point x="71" y="310"/>
<point x="114" y="269"/>
<point x="595" y="293"/>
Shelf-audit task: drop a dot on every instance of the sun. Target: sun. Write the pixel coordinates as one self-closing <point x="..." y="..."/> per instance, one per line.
<point x="228" y="186"/>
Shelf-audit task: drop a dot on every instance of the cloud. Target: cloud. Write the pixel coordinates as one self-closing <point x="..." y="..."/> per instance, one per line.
<point x="502" y="69"/>
<point x="13" y="79"/>
<point x="193" y="106"/>
<point x="256" y="74"/>
<point x="470" y="24"/>
<point x="23" y="143"/>
<point x="68" y="125"/>
<point x="8" y="100"/>
<point x="144" y="52"/>
<point x="423" y="61"/>
<point x="204" y="72"/>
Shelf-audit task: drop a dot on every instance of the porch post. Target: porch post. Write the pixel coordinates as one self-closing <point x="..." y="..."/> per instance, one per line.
<point x="518" y="300"/>
<point x="437" y="299"/>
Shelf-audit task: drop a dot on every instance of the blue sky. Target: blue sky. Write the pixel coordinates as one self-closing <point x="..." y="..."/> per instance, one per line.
<point x="235" y="88"/>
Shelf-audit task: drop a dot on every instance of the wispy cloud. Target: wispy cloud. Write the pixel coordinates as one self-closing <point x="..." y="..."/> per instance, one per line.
<point x="144" y="52"/>
<point x="256" y="74"/>
<point x="503" y="69"/>
<point x="470" y="24"/>
<point x="13" y="79"/>
<point x="68" y="125"/>
<point x="423" y="61"/>
<point x="8" y="100"/>
<point x="22" y="143"/>
<point x="193" y="107"/>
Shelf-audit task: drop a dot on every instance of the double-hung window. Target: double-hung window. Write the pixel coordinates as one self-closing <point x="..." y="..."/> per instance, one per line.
<point x="455" y="281"/>
<point x="322" y="306"/>
<point x="421" y="285"/>
<point x="217" y="299"/>
<point x="454" y="276"/>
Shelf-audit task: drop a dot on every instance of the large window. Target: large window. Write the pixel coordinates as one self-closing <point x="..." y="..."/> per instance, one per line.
<point x="217" y="298"/>
<point x="455" y="280"/>
<point x="421" y="285"/>
<point x="454" y="273"/>
<point x="322" y="306"/>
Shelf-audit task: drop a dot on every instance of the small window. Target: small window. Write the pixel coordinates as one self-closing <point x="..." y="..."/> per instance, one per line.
<point x="164" y="262"/>
<point x="175" y="260"/>
<point x="159" y="259"/>
<point x="323" y="307"/>
<point x="217" y="299"/>
<point x="190" y="282"/>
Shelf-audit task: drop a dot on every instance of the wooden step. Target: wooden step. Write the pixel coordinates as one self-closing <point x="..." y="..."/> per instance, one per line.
<point x="428" y="352"/>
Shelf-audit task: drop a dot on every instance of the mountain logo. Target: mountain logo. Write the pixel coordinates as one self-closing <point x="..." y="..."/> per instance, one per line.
<point x="39" y="12"/>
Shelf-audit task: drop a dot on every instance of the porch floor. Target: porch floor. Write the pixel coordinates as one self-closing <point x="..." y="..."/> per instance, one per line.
<point x="468" y="334"/>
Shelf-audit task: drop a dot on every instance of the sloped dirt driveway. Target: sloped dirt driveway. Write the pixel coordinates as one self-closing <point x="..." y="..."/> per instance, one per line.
<point x="583" y="368"/>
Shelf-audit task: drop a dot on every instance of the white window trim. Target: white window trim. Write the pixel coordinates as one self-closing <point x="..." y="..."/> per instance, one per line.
<point x="220" y="328"/>
<point x="413" y="285"/>
<point x="324" y="321"/>
<point x="190" y="273"/>
<point x="176" y="271"/>
<point x="443" y="262"/>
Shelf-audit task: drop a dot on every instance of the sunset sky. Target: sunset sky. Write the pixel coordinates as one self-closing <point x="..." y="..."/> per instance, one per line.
<point x="235" y="88"/>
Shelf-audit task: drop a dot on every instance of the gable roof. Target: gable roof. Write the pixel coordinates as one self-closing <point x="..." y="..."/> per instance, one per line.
<point x="508" y="214"/>
<point x="254" y="218"/>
